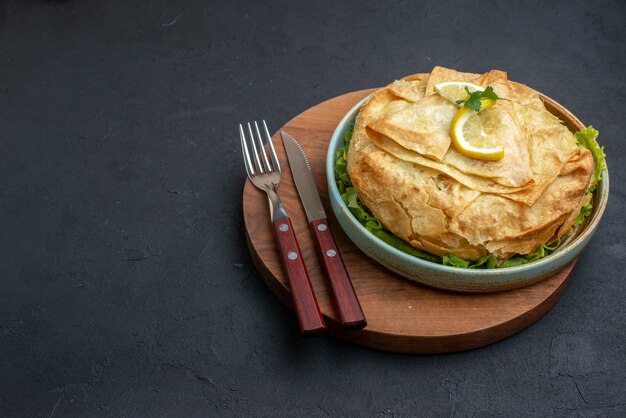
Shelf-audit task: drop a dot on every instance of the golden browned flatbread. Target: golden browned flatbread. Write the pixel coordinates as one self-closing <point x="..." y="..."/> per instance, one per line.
<point x="406" y="172"/>
<point x="421" y="127"/>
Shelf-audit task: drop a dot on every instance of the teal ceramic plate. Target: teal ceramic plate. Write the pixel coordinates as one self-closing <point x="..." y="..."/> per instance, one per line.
<point x="455" y="278"/>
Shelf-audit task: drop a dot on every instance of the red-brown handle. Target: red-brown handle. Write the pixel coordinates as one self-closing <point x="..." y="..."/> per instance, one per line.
<point x="350" y="313"/>
<point x="304" y="301"/>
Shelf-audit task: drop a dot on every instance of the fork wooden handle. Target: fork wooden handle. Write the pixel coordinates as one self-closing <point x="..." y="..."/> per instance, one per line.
<point x="346" y="302"/>
<point x="307" y="310"/>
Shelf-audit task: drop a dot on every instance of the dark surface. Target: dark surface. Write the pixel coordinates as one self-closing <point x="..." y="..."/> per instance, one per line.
<point x="126" y="288"/>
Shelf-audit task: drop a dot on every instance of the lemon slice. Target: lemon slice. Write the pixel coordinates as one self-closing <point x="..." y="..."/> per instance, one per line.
<point x="470" y="139"/>
<point x="455" y="90"/>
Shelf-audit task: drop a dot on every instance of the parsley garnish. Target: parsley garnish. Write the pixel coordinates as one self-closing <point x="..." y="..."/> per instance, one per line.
<point x="473" y="100"/>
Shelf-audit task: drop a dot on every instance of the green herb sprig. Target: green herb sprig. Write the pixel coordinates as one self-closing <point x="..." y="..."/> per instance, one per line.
<point x="473" y="99"/>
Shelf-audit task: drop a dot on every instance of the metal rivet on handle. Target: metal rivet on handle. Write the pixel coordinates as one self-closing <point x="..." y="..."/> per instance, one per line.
<point x="331" y="253"/>
<point x="322" y="227"/>
<point x="292" y="255"/>
<point x="283" y="227"/>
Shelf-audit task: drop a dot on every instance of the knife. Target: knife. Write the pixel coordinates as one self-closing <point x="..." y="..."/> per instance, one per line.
<point x="346" y="302"/>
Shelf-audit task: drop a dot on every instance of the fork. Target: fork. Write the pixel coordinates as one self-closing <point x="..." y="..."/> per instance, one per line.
<point x="266" y="176"/>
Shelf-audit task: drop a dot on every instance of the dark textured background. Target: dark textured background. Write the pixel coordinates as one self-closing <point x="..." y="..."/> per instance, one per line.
<point x="126" y="288"/>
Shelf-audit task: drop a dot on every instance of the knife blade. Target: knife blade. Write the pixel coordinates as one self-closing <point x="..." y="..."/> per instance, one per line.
<point x="345" y="299"/>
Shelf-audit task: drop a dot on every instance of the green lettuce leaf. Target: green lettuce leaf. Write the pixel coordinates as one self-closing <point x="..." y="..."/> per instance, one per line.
<point x="542" y="251"/>
<point x="584" y="212"/>
<point x="586" y="137"/>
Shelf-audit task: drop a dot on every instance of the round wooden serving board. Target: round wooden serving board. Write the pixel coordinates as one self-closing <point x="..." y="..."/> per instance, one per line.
<point x="402" y="316"/>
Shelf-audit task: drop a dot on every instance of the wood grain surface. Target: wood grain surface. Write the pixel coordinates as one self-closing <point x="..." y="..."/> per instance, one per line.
<point x="402" y="316"/>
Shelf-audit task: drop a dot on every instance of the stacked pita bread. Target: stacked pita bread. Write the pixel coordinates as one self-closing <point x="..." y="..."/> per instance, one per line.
<point x="406" y="172"/>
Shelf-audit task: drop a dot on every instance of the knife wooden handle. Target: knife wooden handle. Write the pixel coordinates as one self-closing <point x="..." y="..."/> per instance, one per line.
<point x="307" y="310"/>
<point x="346" y="302"/>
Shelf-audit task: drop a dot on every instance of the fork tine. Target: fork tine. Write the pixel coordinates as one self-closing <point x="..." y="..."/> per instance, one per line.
<point x="257" y="162"/>
<point x="246" y="153"/>
<point x="275" y="162"/>
<point x="268" y="167"/>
